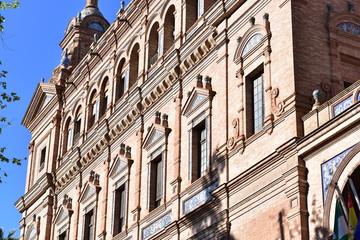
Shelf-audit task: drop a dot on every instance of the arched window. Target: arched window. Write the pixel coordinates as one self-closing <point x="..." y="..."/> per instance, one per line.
<point x="104" y="96"/>
<point x="77" y="124"/>
<point x="134" y="65"/>
<point x="191" y="13"/>
<point x="169" y="28"/>
<point x="68" y="135"/>
<point x="252" y="42"/>
<point x="195" y="9"/>
<point x="121" y="80"/>
<point x="31" y="234"/>
<point x="93" y="109"/>
<point x="254" y="94"/>
<point x="153" y="45"/>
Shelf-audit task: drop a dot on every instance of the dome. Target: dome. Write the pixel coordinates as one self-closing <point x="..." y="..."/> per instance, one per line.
<point x="90" y="11"/>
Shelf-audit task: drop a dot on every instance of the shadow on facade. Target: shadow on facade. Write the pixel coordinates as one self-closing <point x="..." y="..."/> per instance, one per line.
<point x="209" y="220"/>
<point x="317" y="220"/>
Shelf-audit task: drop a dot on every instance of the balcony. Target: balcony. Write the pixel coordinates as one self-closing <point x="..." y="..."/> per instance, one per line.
<point x="334" y="108"/>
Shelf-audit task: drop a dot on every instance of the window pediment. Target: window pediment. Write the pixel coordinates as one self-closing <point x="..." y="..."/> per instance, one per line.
<point x="44" y="92"/>
<point x="197" y="98"/>
<point x="61" y="215"/>
<point x="117" y="167"/>
<point x="251" y="41"/>
<point x="156" y="134"/>
<point x="87" y="193"/>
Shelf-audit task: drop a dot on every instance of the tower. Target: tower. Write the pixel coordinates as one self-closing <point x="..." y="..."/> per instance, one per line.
<point x="80" y="31"/>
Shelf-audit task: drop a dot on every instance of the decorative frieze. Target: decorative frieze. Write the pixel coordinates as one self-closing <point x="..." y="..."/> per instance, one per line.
<point x="342" y="106"/>
<point x="157" y="226"/>
<point x="329" y="168"/>
<point x="199" y="198"/>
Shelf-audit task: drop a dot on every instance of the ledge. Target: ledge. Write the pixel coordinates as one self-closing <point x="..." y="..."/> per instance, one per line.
<point x="332" y="108"/>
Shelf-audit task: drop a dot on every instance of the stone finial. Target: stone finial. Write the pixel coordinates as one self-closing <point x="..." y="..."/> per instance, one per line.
<point x="165" y="119"/>
<point x="330" y="7"/>
<point x="96" y="179"/>
<point x="128" y="152"/>
<point x="79" y="17"/>
<point x="316" y="96"/>
<point x="199" y="82"/>
<point x="157" y="117"/>
<point x="122" y="149"/>
<point x="92" y="3"/>
<point x="96" y="38"/>
<point x="65" y="61"/>
<point x="252" y="20"/>
<point x="208" y="82"/>
<point x="351" y="6"/>
<point x="266" y="17"/>
<point x="122" y="4"/>
<point x="92" y="176"/>
<point x="43" y="80"/>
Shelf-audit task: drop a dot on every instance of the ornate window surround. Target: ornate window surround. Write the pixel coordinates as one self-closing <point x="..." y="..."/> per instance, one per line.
<point x="337" y="45"/>
<point x="119" y="176"/>
<point x="156" y="143"/>
<point x="197" y="109"/>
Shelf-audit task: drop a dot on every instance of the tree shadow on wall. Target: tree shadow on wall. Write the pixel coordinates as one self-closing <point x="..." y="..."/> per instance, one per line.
<point x="209" y="219"/>
<point x="316" y="219"/>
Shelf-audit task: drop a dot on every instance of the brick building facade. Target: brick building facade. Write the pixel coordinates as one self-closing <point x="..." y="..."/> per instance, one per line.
<point x="195" y="119"/>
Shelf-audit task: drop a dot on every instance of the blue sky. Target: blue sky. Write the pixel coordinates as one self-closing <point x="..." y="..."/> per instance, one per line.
<point x="30" y="51"/>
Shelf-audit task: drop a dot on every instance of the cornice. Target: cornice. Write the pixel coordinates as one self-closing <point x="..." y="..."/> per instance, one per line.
<point x="34" y="193"/>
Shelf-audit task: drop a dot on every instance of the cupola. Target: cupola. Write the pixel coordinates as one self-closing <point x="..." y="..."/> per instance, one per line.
<point x="80" y="32"/>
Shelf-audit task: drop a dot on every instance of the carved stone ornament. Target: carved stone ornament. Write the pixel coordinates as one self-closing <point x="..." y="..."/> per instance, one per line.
<point x="236" y="129"/>
<point x="236" y="138"/>
<point x="277" y="108"/>
<point x="327" y="90"/>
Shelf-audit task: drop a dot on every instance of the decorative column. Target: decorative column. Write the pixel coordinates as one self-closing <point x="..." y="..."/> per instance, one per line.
<point x="31" y="164"/>
<point x="336" y="78"/>
<point x="269" y="117"/>
<point x="104" y="208"/>
<point x="138" y="168"/>
<point x="176" y="183"/>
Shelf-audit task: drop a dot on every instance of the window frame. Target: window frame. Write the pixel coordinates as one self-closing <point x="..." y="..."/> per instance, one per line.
<point x="250" y="108"/>
<point x="87" y="233"/>
<point x="156" y="157"/>
<point x="117" y="227"/>
<point x="200" y="124"/>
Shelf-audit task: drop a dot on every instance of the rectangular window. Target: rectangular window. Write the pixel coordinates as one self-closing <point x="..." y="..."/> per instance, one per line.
<point x="89" y="226"/>
<point x="63" y="236"/>
<point x="104" y="102"/>
<point x="254" y="101"/>
<point x="69" y="138"/>
<point x="77" y="126"/>
<point x="156" y="182"/>
<point x="95" y="112"/>
<point x="199" y="145"/>
<point x="119" y="210"/>
<point x="42" y="158"/>
<point x="258" y="102"/>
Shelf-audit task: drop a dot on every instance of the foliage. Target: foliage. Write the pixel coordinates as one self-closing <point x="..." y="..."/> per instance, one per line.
<point x="5" y="97"/>
<point x="10" y="235"/>
<point x="5" y="5"/>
